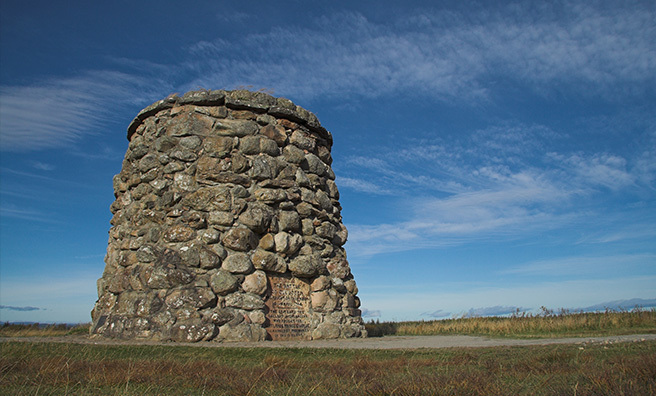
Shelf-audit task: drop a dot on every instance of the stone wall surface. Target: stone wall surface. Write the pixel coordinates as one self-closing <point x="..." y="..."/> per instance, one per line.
<point x="226" y="226"/>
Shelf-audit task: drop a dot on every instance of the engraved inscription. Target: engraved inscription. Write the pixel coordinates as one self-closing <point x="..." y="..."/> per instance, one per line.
<point x="288" y="305"/>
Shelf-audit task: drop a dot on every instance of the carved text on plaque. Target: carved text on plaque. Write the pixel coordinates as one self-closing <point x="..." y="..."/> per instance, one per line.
<point x="288" y="305"/>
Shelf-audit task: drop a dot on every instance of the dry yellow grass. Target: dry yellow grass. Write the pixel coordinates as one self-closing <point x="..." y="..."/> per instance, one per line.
<point x="547" y="324"/>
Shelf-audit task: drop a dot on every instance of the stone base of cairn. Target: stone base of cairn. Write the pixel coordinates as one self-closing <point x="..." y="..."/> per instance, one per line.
<point x="226" y="226"/>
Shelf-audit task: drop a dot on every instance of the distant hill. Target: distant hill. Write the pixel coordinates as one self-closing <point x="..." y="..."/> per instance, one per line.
<point x="620" y="305"/>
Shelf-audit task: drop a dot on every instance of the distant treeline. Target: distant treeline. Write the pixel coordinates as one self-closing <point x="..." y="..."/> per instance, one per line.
<point x="8" y="329"/>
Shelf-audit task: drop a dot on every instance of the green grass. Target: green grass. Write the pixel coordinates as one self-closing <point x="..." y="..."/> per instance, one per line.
<point x="545" y="325"/>
<point x="60" y="369"/>
<point x="42" y="330"/>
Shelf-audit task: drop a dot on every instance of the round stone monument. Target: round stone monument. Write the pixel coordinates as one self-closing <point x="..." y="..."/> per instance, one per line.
<point x="226" y="226"/>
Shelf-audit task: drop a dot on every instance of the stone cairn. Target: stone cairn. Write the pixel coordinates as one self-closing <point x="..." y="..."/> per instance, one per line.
<point x="226" y="226"/>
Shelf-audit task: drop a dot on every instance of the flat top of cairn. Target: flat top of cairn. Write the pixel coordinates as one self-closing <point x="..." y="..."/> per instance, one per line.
<point x="258" y="102"/>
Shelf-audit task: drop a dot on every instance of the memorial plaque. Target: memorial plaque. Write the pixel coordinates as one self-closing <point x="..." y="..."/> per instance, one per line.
<point x="288" y="304"/>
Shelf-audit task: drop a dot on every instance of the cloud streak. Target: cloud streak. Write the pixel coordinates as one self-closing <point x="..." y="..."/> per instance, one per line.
<point x="622" y="305"/>
<point x="368" y="313"/>
<point x="16" y="212"/>
<point x="458" y="55"/>
<point x="440" y="313"/>
<point x="450" y="55"/>
<point x="506" y="181"/>
<point x="585" y="265"/>
<point x="20" y="309"/>
<point x="497" y="310"/>
<point x="59" y="111"/>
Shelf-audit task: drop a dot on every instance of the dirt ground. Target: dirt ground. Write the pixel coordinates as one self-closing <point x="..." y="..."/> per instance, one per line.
<point x="391" y="342"/>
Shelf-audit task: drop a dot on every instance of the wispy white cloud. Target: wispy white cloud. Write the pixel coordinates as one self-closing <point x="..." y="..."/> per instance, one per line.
<point x="508" y="211"/>
<point x="56" y="112"/>
<point x="368" y="313"/>
<point x="8" y="172"/>
<point x="621" y="305"/>
<point x="599" y="169"/>
<point x="586" y="265"/>
<point x="43" y="166"/>
<point x="511" y="143"/>
<point x="17" y="212"/>
<point x="440" y="313"/>
<point x="496" y="202"/>
<point x="504" y="181"/>
<point x="642" y="229"/>
<point x="99" y="153"/>
<point x="361" y="185"/>
<point x="645" y="166"/>
<point x="472" y="198"/>
<point x="458" y="55"/>
<point x="234" y="17"/>
<point x="452" y="55"/>
<point x="497" y="310"/>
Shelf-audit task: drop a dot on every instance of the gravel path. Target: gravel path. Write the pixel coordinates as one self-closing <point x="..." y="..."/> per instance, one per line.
<point x="393" y="342"/>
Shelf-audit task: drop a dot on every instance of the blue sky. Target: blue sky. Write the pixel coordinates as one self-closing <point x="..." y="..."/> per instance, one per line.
<point x="489" y="156"/>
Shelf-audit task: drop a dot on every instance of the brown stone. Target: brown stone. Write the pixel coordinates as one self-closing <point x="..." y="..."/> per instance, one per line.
<point x="319" y="299"/>
<point x="209" y="259"/>
<point x="289" y="221"/>
<point x="243" y="115"/>
<point x="209" y="199"/>
<point x="239" y="128"/>
<point x="288" y="124"/>
<point x="188" y="124"/>
<point x="255" y="283"/>
<point x="192" y="331"/>
<point x="320" y="283"/>
<point x="241" y="239"/>
<point x="351" y="287"/>
<point x="268" y="261"/>
<point x="306" y="266"/>
<point x="249" y="145"/>
<point x="275" y="133"/>
<point x="339" y="267"/>
<point x="326" y="331"/>
<point x="246" y="301"/>
<point x="237" y="263"/>
<point x="218" y="146"/>
<point x="270" y="147"/>
<point x="269" y="195"/>
<point x="302" y="140"/>
<point x="267" y="242"/>
<point x="223" y="282"/>
<point x="179" y="233"/>
<point x="257" y="217"/>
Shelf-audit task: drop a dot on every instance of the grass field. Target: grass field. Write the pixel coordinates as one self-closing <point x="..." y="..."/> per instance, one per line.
<point x="74" y="369"/>
<point x="42" y="368"/>
<point x="547" y="324"/>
